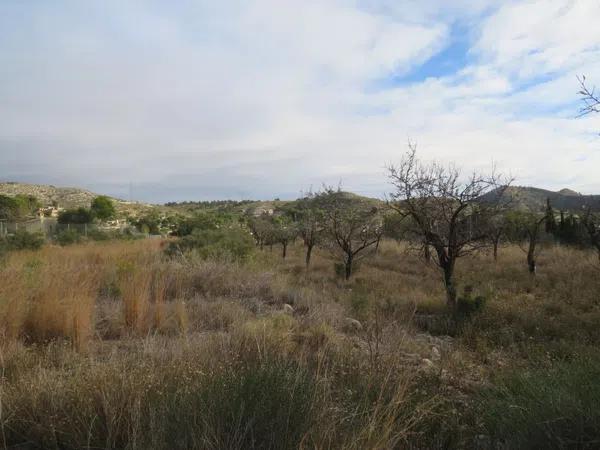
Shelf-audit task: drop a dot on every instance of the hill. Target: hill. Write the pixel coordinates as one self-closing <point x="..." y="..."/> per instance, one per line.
<point x="534" y="199"/>
<point x="68" y="197"/>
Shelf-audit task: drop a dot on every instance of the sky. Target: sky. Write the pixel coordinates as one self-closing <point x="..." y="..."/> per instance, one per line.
<point x="201" y="99"/>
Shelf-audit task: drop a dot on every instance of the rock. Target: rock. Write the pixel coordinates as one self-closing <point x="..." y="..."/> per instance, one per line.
<point x="288" y="309"/>
<point x="352" y="324"/>
<point x="482" y="441"/>
<point x="427" y="363"/>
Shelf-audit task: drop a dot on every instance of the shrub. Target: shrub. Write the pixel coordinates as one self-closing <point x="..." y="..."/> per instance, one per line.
<point x="467" y="305"/>
<point x="266" y="406"/>
<point x="98" y="235"/>
<point x="103" y="207"/>
<point x="79" y="216"/>
<point x="68" y="237"/>
<point x="232" y="243"/>
<point x="556" y="408"/>
<point x="24" y="240"/>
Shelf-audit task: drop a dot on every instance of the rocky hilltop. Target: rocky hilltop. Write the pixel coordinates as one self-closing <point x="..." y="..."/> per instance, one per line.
<point x="534" y="199"/>
<point x="68" y="197"/>
<point x="65" y="197"/>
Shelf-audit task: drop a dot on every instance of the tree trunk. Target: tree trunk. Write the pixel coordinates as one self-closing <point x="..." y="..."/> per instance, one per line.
<point x="377" y="244"/>
<point x="308" y="255"/>
<point x="284" y="253"/>
<point x="449" y="283"/>
<point x="426" y="253"/>
<point x="531" y="259"/>
<point x="495" y="250"/>
<point x="348" y="267"/>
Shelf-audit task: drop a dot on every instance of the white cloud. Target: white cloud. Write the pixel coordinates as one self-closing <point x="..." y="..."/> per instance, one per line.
<point x="267" y="97"/>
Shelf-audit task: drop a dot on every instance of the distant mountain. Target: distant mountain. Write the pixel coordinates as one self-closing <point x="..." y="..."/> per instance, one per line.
<point x="67" y="197"/>
<point x="534" y="199"/>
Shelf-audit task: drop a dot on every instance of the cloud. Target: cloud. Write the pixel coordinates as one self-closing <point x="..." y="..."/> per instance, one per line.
<point x="197" y="99"/>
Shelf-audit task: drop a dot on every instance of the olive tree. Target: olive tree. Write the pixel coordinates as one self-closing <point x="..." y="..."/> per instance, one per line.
<point x="448" y="212"/>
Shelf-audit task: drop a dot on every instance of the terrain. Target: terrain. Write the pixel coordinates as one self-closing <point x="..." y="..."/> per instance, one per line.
<point x="114" y="345"/>
<point x="69" y="197"/>
<point x="535" y="199"/>
<point x="225" y="335"/>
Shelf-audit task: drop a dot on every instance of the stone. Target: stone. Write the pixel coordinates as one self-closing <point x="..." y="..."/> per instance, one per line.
<point x="352" y="324"/>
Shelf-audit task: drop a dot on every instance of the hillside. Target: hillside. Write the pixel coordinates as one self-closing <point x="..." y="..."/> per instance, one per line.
<point x="534" y="199"/>
<point x="68" y="197"/>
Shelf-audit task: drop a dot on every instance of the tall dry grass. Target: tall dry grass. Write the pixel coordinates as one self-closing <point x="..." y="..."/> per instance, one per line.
<point x="140" y="351"/>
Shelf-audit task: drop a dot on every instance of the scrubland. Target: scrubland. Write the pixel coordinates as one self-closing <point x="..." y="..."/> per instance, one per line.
<point x="116" y="345"/>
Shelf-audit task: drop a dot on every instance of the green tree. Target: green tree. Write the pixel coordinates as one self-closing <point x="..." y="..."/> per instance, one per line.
<point x="103" y="208"/>
<point x="18" y="207"/>
<point x="76" y="216"/>
<point x="148" y="223"/>
<point x="8" y="208"/>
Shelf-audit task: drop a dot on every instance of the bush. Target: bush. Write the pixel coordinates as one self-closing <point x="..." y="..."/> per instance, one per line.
<point x="68" y="237"/>
<point x="76" y="216"/>
<point x="232" y="243"/>
<point x="98" y="235"/>
<point x="556" y="408"/>
<point x="268" y="406"/>
<point x="467" y="305"/>
<point x="103" y="207"/>
<point x="24" y="240"/>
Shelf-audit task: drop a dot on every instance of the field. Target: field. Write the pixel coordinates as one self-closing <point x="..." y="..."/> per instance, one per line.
<point x="115" y="345"/>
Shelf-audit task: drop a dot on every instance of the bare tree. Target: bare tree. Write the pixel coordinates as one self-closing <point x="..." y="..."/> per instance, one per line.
<point x="495" y="234"/>
<point x="589" y="97"/>
<point x="284" y="232"/>
<point x="310" y="220"/>
<point x="591" y="223"/>
<point x="350" y="225"/>
<point x="525" y="228"/>
<point x="448" y="212"/>
<point x="262" y="229"/>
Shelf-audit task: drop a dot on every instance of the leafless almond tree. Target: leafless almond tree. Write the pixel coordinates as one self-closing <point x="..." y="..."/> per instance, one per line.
<point x="352" y="228"/>
<point x="589" y="97"/>
<point x="310" y="219"/>
<point x="448" y="212"/>
<point x="525" y="228"/>
<point x="591" y="223"/>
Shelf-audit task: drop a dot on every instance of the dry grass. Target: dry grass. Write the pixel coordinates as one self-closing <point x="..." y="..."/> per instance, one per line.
<point x="110" y="345"/>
